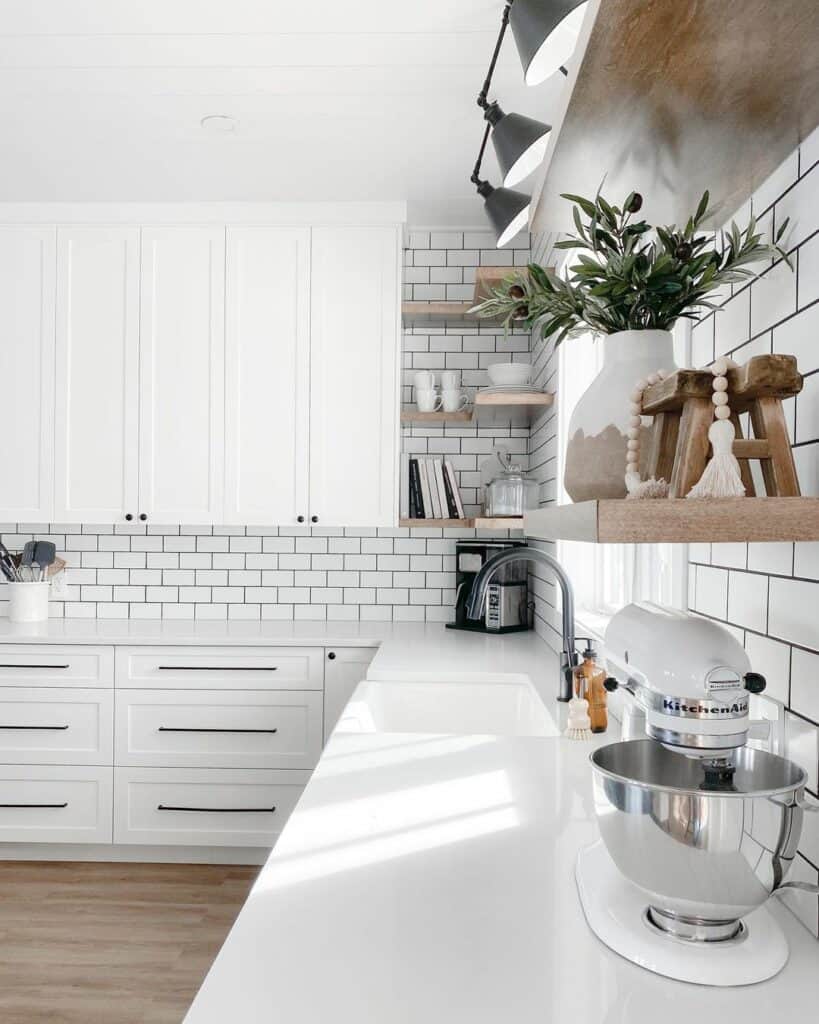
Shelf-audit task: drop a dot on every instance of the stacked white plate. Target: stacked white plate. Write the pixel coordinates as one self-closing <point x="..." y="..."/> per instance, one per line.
<point x="512" y="389"/>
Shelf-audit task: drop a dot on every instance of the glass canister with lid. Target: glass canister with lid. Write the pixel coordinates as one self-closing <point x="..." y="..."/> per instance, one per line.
<point x="511" y="492"/>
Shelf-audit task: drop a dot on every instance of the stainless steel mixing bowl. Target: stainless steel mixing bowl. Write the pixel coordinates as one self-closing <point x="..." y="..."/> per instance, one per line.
<point x="704" y="856"/>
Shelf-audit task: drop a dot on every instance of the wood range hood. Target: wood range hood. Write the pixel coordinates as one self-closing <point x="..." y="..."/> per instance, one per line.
<point x="672" y="97"/>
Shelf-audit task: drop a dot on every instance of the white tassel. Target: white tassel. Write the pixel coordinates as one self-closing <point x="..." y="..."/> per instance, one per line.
<point x="578" y="726"/>
<point x="721" y="478"/>
<point x="647" y="488"/>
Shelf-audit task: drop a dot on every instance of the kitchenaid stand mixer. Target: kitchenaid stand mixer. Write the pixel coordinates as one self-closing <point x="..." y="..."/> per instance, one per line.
<point x="697" y="829"/>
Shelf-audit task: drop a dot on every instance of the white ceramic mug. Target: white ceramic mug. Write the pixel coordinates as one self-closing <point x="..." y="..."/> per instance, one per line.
<point x="424" y="380"/>
<point x="427" y="400"/>
<point x="453" y="401"/>
<point x="450" y="380"/>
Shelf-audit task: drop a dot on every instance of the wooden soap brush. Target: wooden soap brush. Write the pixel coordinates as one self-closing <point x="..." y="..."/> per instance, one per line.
<point x="578" y="726"/>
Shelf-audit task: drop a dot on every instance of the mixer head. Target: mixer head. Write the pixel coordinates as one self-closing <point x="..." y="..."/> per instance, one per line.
<point x="691" y="677"/>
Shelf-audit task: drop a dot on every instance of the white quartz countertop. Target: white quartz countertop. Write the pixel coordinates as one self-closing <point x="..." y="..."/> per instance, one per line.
<point x="430" y="879"/>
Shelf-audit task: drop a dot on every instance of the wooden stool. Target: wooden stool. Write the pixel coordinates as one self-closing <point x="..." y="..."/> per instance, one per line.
<point x="682" y="410"/>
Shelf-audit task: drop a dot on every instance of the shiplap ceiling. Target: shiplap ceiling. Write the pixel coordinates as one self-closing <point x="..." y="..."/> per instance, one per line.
<point x="360" y="99"/>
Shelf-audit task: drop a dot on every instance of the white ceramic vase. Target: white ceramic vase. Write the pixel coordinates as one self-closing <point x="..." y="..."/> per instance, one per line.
<point x="596" y="451"/>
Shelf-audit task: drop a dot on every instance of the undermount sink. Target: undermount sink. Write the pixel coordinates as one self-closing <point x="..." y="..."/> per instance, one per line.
<point x="484" y="708"/>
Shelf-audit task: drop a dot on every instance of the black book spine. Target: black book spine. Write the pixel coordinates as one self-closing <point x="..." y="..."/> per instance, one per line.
<point x="415" y="491"/>
<point x="452" y="508"/>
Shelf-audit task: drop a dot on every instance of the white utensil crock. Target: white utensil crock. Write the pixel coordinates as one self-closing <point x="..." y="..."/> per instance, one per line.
<point x="597" y="442"/>
<point x="28" y="602"/>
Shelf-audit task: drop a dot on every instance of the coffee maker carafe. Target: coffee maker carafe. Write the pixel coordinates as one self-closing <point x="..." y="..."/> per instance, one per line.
<point x="507" y="599"/>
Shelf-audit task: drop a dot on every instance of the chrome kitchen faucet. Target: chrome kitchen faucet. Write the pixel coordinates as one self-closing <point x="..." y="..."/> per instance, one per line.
<point x="477" y="599"/>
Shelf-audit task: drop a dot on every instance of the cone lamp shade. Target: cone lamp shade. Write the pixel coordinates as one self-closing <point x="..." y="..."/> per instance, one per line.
<point x="545" y="34"/>
<point x="507" y="210"/>
<point x="520" y="143"/>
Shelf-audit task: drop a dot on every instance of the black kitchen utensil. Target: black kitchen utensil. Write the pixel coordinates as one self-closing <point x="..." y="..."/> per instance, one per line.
<point x="7" y="565"/>
<point x="44" y="555"/>
<point x="26" y="572"/>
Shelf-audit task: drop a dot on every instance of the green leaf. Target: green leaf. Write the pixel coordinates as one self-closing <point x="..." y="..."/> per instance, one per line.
<point x="586" y="205"/>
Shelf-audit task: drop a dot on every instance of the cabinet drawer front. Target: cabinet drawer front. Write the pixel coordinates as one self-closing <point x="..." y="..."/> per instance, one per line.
<point x="53" y="665"/>
<point x="55" y="804"/>
<point x="220" y="668"/>
<point x="201" y="807"/>
<point x="56" y="726"/>
<point x="218" y="728"/>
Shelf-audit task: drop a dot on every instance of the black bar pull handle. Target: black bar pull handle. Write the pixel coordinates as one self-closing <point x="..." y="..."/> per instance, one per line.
<point x="180" y="728"/>
<point x="37" y="728"/>
<point x="57" y="807"/>
<point x="219" y="810"/>
<point x="215" y="668"/>
<point x="4" y="665"/>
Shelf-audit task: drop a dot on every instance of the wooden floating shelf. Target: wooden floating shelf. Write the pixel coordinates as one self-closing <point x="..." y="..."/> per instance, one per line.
<point x="469" y="523"/>
<point x="439" y="314"/>
<point x="487" y="408"/>
<point x="416" y="416"/>
<point x="678" y="521"/>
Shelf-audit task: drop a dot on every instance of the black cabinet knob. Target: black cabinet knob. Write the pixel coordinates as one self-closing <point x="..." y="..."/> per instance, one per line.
<point x="128" y="517"/>
<point x="332" y="655"/>
<point x="143" y="516"/>
<point x="299" y="519"/>
<point x="313" y="519"/>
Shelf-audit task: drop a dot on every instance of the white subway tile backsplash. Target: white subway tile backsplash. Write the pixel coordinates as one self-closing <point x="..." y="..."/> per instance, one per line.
<point x="805" y="683"/>
<point x="802" y="746"/>
<point x="801" y="205"/>
<point x="773" y="558"/>
<point x="712" y="591"/>
<point x="797" y="336"/>
<point x="773" y="609"/>
<point x="806" y="560"/>
<point x="808" y="288"/>
<point x="733" y="556"/>
<point x="734" y="323"/>
<point x="772" y="659"/>
<point x="792" y="611"/>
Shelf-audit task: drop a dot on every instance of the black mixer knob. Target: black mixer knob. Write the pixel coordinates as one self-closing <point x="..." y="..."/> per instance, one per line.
<point x="754" y="682"/>
<point x="610" y="684"/>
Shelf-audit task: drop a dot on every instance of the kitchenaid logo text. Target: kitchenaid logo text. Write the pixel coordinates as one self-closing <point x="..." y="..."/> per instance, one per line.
<point x="738" y="708"/>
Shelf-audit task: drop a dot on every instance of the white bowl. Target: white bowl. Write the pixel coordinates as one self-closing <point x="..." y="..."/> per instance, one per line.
<point x="510" y="374"/>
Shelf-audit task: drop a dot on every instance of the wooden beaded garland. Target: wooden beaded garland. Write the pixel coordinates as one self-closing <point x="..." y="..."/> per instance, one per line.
<point x="635" y="487"/>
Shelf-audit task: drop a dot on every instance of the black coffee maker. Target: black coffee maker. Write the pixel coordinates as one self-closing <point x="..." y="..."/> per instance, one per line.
<point x="507" y="598"/>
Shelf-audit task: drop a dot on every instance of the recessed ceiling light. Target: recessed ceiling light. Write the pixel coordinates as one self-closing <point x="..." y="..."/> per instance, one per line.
<point x="219" y="124"/>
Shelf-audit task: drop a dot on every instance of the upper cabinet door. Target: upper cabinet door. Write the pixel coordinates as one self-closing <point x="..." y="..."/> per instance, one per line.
<point x="267" y="375"/>
<point x="354" y="376"/>
<point x="97" y="358"/>
<point x="27" y="371"/>
<point x="181" y="423"/>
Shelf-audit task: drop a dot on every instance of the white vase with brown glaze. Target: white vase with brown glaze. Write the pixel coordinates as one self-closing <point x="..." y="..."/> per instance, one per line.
<point x="596" y="450"/>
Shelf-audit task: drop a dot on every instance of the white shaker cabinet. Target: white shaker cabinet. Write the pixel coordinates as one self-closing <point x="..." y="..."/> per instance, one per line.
<point x="96" y="370"/>
<point x="27" y="370"/>
<point x="344" y="669"/>
<point x="181" y="378"/>
<point x="354" y="376"/>
<point x="267" y="375"/>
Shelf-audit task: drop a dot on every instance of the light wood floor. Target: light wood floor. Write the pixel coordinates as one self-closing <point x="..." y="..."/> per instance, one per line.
<point x="111" y="943"/>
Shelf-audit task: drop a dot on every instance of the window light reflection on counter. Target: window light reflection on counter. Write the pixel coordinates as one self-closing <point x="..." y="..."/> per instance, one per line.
<point x="351" y="834"/>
